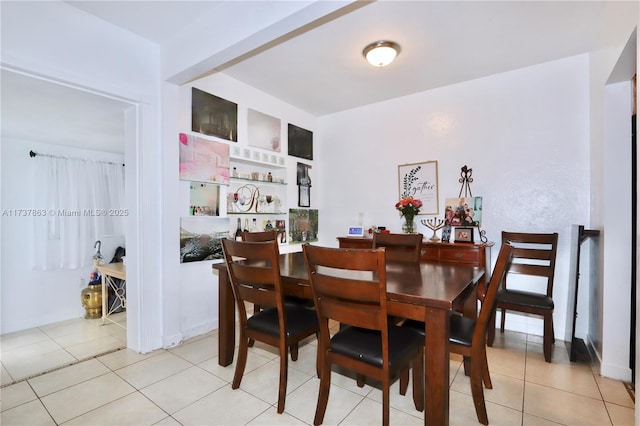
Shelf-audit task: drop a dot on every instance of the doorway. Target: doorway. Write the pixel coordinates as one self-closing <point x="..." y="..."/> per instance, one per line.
<point x="42" y="316"/>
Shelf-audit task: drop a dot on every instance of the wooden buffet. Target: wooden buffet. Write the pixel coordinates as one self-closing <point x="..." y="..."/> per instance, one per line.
<point x="470" y="254"/>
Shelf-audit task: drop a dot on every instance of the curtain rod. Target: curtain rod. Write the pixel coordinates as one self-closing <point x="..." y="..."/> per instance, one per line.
<point x="33" y="154"/>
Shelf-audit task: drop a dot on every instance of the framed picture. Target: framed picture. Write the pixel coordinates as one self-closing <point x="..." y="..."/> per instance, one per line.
<point x="200" y="238"/>
<point x="304" y="196"/>
<point x="300" y="142"/>
<point x="420" y="180"/>
<point x="464" y="211"/>
<point x="446" y="234"/>
<point x="463" y="235"/>
<point x="203" y="160"/>
<point x="304" y="185"/>
<point x="303" y="225"/>
<point x="214" y="116"/>
<point x="264" y="130"/>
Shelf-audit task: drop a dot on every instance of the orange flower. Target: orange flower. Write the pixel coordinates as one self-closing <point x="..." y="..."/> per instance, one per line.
<point x="409" y="206"/>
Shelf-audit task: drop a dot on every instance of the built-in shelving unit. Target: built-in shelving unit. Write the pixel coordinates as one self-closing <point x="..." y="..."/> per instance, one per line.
<point x="258" y="189"/>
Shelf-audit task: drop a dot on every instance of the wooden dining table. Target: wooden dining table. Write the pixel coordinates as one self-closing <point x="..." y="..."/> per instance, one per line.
<point x="427" y="292"/>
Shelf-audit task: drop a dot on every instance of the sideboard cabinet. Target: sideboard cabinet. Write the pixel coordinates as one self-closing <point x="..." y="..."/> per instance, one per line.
<point x="472" y="254"/>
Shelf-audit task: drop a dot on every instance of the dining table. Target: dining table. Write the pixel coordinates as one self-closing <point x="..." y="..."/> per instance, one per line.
<point x="428" y="292"/>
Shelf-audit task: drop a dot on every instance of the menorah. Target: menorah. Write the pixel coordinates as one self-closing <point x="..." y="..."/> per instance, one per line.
<point x="434" y="224"/>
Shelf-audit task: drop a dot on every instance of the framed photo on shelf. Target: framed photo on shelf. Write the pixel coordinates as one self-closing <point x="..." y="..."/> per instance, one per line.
<point x="463" y="235"/>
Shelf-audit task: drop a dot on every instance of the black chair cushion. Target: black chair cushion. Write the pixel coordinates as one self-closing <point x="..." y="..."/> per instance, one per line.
<point x="299" y="319"/>
<point x="460" y="331"/>
<point x="525" y="298"/>
<point x="366" y="345"/>
<point x="415" y="325"/>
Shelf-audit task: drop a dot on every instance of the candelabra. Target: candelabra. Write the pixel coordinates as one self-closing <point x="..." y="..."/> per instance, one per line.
<point x="434" y="224"/>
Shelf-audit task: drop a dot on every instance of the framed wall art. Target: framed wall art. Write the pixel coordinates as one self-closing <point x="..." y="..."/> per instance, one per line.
<point x="420" y="180"/>
<point x="303" y="225"/>
<point x="213" y="116"/>
<point x="264" y="130"/>
<point x="300" y="142"/>
<point x="304" y="185"/>
<point x="200" y="238"/>
<point x="203" y="160"/>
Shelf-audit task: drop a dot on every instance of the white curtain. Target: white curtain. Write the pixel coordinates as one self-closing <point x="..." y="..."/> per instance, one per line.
<point x="76" y="202"/>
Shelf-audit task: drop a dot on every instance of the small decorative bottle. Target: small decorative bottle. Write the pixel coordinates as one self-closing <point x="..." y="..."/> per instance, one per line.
<point x="234" y="172"/>
<point x="269" y="177"/>
<point x="246" y="225"/>
<point x="238" y="230"/>
<point x="254" y="225"/>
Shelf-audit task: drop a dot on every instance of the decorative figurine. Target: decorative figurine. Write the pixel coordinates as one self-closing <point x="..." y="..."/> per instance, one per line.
<point x="434" y="224"/>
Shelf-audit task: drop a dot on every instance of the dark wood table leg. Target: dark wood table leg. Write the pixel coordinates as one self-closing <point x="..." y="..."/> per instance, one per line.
<point x="226" y="320"/>
<point x="436" y="368"/>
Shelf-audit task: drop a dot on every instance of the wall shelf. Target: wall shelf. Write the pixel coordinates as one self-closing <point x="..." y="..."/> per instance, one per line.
<point x="254" y="181"/>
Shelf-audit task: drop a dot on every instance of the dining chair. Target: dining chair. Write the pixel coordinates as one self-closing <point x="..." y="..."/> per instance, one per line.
<point x="259" y="236"/>
<point x="272" y="235"/>
<point x="535" y="256"/>
<point x="404" y="248"/>
<point x="349" y="286"/>
<point x="254" y="272"/>
<point x="399" y="247"/>
<point x="467" y="337"/>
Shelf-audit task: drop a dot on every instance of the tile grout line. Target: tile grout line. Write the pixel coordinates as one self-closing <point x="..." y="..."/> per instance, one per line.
<point x="60" y="367"/>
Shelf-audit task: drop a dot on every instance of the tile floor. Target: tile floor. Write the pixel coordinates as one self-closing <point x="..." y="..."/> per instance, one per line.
<point x="185" y="385"/>
<point x="27" y="353"/>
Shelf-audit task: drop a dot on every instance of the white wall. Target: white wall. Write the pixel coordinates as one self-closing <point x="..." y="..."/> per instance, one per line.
<point x="32" y="298"/>
<point x="616" y="238"/>
<point x="191" y="289"/>
<point x="62" y="43"/>
<point x="524" y="133"/>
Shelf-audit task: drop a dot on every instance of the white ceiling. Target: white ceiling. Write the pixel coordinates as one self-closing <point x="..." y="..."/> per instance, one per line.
<point x="322" y="70"/>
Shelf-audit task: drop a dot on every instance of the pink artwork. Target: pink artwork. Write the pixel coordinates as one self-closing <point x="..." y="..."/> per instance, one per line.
<point x="202" y="160"/>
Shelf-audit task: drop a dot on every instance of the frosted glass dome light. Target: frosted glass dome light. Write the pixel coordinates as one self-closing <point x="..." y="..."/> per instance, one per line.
<point x="381" y="53"/>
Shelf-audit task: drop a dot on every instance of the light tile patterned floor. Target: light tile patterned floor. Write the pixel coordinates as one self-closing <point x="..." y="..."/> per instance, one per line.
<point x="31" y="352"/>
<point x="186" y="386"/>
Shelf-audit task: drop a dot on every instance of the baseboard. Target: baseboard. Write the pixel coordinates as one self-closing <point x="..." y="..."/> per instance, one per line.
<point x="176" y="339"/>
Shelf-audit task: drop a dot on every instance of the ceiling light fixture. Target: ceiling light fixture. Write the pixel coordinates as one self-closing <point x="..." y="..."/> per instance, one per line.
<point x="381" y="53"/>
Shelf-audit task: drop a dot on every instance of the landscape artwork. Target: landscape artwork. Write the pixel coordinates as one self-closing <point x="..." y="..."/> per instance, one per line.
<point x="203" y="160"/>
<point x="200" y="238"/>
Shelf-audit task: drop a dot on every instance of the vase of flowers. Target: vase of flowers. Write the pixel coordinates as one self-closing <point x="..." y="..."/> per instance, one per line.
<point x="409" y="207"/>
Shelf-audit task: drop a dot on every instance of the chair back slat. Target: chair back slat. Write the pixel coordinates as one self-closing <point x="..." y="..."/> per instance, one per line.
<point x="535" y="270"/>
<point x="364" y="316"/>
<point x="399" y="247"/>
<point x="341" y="288"/>
<point x="541" y="253"/>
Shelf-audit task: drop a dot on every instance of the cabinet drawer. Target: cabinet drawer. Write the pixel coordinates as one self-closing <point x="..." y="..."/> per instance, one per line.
<point x="470" y="255"/>
<point x="357" y="243"/>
